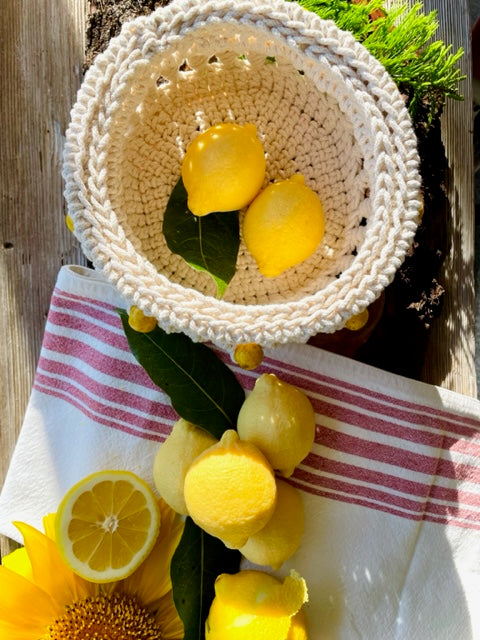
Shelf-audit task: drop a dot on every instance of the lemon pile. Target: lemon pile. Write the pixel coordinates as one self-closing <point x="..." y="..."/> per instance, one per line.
<point x="224" y="170"/>
<point x="235" y="488"/>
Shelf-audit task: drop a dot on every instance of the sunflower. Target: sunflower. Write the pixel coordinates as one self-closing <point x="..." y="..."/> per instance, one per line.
<point x="42" y="599"/>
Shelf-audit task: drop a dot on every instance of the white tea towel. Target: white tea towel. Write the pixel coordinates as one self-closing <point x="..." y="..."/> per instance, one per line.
<point x="391" y="487"/>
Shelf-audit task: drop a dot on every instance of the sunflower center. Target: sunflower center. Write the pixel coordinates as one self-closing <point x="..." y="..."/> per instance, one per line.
<point x="112" y="617"/>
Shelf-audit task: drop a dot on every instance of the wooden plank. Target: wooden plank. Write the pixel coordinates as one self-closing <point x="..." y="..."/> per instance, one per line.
<point x="450" y="359"/>
<point x="40" y="71"/>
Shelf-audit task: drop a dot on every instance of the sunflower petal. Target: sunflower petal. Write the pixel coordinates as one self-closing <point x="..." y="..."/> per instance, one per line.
<point x="49" y="570"/>
<point x="49" y="525"/>
<point x="19" y="595"/>
<point x="152" y="579"/>
<point x="167" y="618"/>
<point x="19" y="562"/>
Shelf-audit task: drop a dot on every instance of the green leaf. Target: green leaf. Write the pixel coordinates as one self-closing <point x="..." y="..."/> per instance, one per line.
<point x="209" y="243"/>
<point x="196" y="563"/>
<point x="202" y="389"/>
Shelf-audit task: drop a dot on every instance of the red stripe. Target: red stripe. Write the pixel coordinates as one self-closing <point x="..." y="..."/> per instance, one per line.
<point x="114" y="367"/>
<point x="389" y="481"/>
<point x="377" y="451"/>
<point x="335" y="389"/>
<point x="388" y="405"/>
<point x="116" y="340"/>
<point x="91" y="301"/>
<point x="349" y="444"/>
<point x="128" y="399"/>
<point x="401" y="502"/>
<point x="361" y="398"/>
<point x="387" y="508"/>
<point x="314" y="385"/>
<point x="410" y="433"/>
<point x="376" y="424"/>
<point x="99" y="411"/>
<point x="395" y="456"/>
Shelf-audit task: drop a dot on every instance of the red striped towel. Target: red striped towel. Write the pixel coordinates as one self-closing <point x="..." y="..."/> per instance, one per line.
<point x="391" y="487"/>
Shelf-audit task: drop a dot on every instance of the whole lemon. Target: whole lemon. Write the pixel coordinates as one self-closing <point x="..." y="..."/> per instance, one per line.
<point x="223" y="168"/>
<point x="283" y="225"/>
<point x="174" y="457"/>
<point x="255" y="605"/>
<point x="281" y="536"/>
<point x="279" y="419"/>
<point x="230" y="490"/>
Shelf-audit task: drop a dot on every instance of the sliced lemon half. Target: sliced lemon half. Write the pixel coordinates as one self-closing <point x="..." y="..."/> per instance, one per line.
<point x="106" y="525"/>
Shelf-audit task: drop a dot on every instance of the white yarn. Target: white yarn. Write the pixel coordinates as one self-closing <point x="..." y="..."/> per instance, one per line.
<point x="323" y="107"/>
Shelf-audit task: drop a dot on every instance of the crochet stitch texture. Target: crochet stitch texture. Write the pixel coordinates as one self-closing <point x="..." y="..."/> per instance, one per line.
<point x="323" y="107"/>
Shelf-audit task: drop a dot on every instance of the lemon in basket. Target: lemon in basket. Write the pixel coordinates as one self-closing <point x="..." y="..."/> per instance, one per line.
<point x="106" y="525"/>
<point x="223" y="168"/>
<point x="283" y="226"/>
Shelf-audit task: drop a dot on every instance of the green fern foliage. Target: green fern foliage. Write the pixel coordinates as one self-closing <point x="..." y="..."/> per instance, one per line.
<point x="402" y="39"/>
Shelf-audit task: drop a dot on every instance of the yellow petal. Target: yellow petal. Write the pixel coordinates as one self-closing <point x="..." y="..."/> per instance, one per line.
<point x="23" y="606"/>
<point x="151" y="581"/>
<point x="19" y="562"/>
<point x="167" y="618"/>
<point x="50" y="572"/>
<point x="49" y="525"/>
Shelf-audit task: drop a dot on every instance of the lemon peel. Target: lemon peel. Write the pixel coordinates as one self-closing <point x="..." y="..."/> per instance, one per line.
<point x="230" y="490"/>
<point x="283" y="226"/>
<point x="279" y="419"/>
<point x="298" y="627"/>
<point x="281" y="536"/>
<point x="223" y="168"/>
<point x="174" y="457"/>
<point x="254" y="604"/>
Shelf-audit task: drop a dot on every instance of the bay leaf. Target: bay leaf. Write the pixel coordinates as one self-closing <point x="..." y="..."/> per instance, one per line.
<point x="198" y="560"/>
<point x="208" y="243"/>
<point x="201" y="388"/>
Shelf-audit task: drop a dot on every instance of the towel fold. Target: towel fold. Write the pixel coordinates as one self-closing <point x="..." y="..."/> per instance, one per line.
<point x="391" y="487"/>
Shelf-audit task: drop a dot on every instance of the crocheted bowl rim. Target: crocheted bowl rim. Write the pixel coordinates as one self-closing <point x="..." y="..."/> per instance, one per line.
<point x="391" y="145"/>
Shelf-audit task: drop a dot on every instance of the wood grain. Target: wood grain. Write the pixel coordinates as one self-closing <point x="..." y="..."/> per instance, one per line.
<point x="450" y="359"/>
<point x="40" y="71"/>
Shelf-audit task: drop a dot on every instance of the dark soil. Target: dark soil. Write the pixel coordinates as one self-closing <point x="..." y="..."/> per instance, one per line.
<point x="106" y="19"/>
<point x="396" y="336"/>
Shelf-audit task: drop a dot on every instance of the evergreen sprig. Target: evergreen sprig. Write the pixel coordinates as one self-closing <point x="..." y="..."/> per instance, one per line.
<point x="401" y="38"/>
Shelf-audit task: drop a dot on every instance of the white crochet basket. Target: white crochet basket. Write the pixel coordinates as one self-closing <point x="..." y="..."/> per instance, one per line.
<point x="323" y="107"/>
